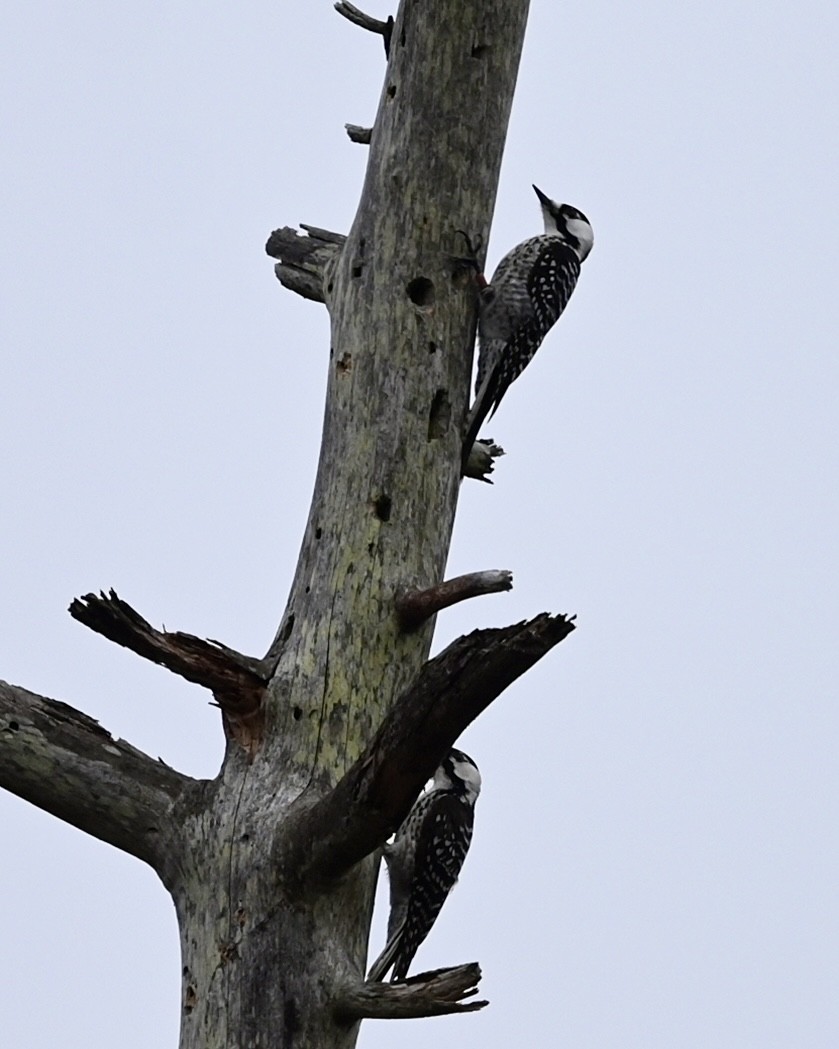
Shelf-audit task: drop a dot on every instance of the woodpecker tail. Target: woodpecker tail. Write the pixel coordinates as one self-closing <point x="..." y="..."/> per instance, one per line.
<point x="385" y="960"/>
<point x="483" y="406"/>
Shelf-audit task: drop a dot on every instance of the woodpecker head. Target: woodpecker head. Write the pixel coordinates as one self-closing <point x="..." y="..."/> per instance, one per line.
<point x="572" y="225"/>
<point x="458" y="772"/>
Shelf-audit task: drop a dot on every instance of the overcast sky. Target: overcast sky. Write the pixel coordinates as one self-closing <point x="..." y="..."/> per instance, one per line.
<point x="655" y="864"/>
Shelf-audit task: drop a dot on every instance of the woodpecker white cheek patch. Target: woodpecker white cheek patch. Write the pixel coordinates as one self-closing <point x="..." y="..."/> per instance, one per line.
<point x="581" y="229"/>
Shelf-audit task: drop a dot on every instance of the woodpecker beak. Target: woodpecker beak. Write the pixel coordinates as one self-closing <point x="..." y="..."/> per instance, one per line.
<point x="543" y="200"/>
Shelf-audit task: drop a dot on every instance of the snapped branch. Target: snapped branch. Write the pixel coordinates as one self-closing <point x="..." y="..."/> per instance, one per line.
<point x="65" y="763"/>
<point x="361" y="135"/>
<point x="434" y="993"/>
<point x="236" y="681"/>
<point x="479" y="463"/>
<point x="416" y="606"/>
<point x="327" y="837"/>
<point x="303" y="258"/>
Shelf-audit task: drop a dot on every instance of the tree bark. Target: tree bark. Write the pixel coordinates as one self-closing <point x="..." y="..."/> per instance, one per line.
<point x="262" y="959"/>
<point x="273" y="866"/>
<point x="67" y="764"/>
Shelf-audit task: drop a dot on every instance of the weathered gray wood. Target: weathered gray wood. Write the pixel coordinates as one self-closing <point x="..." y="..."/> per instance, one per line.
<point x="304" y="259"/>
<point x="267" y="949"/>
<point x="207" y="663"/>
<point x="359" y="18"/>
<point x="325" y="840"/>
<point x="402" y="326"/>
<point x="414" y="607"/>
<point x="65" y="763"/>
<point x="357" y="133"/>
<point x="400" y="360"/>
<point x="373" y="25"/>
<point x="236" y="681"/>
<point x="436" y="993"/>
<point x="480" y="461"/>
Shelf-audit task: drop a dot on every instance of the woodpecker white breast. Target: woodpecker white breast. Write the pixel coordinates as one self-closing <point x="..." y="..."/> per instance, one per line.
<point x="425" y="858"/>
<point x="528" y="291"/>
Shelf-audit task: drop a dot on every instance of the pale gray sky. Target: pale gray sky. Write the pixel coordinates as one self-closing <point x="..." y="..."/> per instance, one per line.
<point x="655" y="863"/>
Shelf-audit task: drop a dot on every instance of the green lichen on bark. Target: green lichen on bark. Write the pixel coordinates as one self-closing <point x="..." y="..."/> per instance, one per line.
<point x="434" y="161"/>
<point x="402" y="326"/>
<point x="263" y="948"/>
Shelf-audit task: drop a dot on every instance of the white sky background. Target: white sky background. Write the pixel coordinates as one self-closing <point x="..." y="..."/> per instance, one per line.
<point x="655" y="862"/>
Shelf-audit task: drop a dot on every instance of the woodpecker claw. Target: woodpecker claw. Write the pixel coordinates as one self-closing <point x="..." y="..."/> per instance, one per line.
<point x="473" y="249"/>
<point x="470" y="261"/>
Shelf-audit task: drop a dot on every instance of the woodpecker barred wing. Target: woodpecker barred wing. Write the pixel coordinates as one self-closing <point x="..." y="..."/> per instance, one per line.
<point x="505" y="304"/>
<point x="550" y="285"/>
<point x="441" y="849"/>
<point x="552" y="280"/>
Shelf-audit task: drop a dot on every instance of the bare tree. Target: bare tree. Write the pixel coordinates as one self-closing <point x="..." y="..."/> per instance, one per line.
<point x="331" y="735"/>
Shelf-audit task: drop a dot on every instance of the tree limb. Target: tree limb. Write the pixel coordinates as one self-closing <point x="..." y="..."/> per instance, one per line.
<point x="361" y="135"/>
<point x="327" y="837"/>
<point x="479" y="463"/>
<point x="373" y="25"/>
<point x="416" y="606"/>
<point x="434" y="993"/>
<point x="65" y="763"/>
<point x="236" y="681"/>
<point x="304" y="258"/>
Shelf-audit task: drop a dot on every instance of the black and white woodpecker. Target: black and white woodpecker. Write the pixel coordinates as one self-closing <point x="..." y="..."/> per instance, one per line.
<point x="424" y="860"/>
<point x="529" y="290"/>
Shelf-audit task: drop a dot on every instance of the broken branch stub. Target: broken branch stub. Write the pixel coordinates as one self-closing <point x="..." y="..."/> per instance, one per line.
<point x="414" y="607"/>
<point x="304" y="259"/>
<point x="237" y="681"/>
<point x="435" y="993"/>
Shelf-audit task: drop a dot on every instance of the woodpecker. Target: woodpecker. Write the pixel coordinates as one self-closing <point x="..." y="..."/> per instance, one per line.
<point x="424" y="860"/>
<point x="528" y="291"/>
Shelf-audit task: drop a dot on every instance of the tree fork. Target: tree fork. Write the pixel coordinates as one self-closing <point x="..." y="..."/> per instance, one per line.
<point x="64" y="762"/>
<point x="402" y="328"/>
<point x="267" y="953"/>
<point x="374" y="796"/>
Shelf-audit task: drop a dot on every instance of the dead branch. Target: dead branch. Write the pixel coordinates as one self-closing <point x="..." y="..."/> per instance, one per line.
<point x="328" y="235"/>
<point x="416" y="606"/>
<point x="304" y="258"/>
<point x="372" y="25"/>
<point x="327" y="837"/>
<point x="479" y="463"/>
<point x="434" y="993"/>
<point x="361" y="135"/>
<point x="236" y="681"/>
<point x="65" y="763"/>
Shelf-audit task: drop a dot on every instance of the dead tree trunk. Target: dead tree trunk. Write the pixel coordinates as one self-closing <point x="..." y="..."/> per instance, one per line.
<point x="272" y="865"/>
